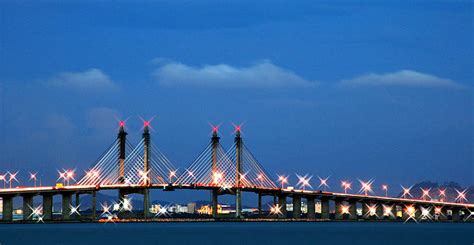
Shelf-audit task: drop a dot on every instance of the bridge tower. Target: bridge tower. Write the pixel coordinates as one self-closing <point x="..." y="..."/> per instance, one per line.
<point x="122" y="137"/>
<point x="238" y="155"/>
<point x="215" y="191"/>
<point x="146" y="169"/>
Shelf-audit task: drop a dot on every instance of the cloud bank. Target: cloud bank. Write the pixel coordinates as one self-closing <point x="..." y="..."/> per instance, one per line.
<point x="92" y="79"/>
<point x="401" y="78"/>
<point x="260" y="75"/>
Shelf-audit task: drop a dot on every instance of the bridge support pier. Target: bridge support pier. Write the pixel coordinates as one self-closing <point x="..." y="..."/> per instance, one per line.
<point x="47" y="206"/>
<point x="28" y="207"/>
<point x="455" y="217"/>
<point x="259" y="205"/>
<point x="66" y="205"/>
<point x="353" y="210"/>
<point x="94" y="206"/>
<point x="7" y="211"/>
<point x="365" y="211"/>
<point x="394" y="212"/>
<point x="379" y="211"/>
<point x="296" y="206"/>
<point x="338" y="215"/>
<point x="282" y="205"/>
<point x="146" y="203"/>
<point x="311" y="207"/>
<point x="78" y="200"/>
<point x="215" y="202"/>
<point x="324" y="208"/>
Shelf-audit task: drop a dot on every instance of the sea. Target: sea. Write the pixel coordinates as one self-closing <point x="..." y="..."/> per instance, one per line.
<point x="241" y="233"/>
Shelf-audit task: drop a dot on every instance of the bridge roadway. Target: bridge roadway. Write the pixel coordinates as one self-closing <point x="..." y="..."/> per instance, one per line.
<point x="345" y="205"/>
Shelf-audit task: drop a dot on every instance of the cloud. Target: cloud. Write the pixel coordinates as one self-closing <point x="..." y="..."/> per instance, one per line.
<point x="60" y="125"/>
<point x="260" y="75"/>
<point x="92" y="79"/>
<point x="102" y="119"/>
<point x="407" y="78"/>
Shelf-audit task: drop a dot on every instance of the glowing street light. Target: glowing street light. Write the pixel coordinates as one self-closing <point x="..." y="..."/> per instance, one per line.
<point x="461" y="196"/>
<point x="425" y="193"/>
<point x="344" y="209"/>
<point x="366" y="186"/>
<point x="442" y="194"/>
<point x="385" y="188"/>
<point x="216" y="177"/>
<point x="303" y="181"/>
<point x="410" y="210"/>
<point x="387" y="210"/>
<point x="12" y="177"/>
<point x="283" y="180"/>
<point x="426" y="213"/>
<point x="62" y="175"/>
<point x="33" y="177"/>
<point x="346" y="185"/>
<point x="69" y="175"/>
<point x="323" y="182"/>
<point x="406" y="191"/>
<point x="275" y="210"/>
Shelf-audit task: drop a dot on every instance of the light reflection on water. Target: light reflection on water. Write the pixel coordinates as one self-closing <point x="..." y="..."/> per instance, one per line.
<point x="227" y="233"/>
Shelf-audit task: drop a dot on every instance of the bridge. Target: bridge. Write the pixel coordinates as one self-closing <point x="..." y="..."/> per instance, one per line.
<point x="142" y="168"/>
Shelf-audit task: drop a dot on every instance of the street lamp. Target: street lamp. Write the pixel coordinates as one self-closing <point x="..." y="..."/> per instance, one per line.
<point x="283" y="180"/>
<point x="323" y="182"/>
<point x="385" y="188"/>
<point x="12" y="177"/>
<point x="346" y="185"/>
<point x="33" y="177"/>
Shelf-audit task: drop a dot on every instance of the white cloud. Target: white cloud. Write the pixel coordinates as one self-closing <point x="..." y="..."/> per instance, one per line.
<point x="92" y="79"/>
<point x="401" y="78"/>
<point x="260" y="75"/>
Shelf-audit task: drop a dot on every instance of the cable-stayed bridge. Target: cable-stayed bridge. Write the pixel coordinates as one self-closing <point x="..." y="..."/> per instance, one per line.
<point x="141" y="168"/>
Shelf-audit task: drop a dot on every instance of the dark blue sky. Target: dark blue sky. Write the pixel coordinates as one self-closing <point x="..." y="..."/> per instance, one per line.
<point x="368" y="90"/>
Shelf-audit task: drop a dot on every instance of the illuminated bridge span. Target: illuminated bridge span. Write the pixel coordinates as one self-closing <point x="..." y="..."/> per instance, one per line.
<point x="141" y="168"/>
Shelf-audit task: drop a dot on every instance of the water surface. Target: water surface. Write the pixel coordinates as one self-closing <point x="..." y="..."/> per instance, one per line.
<point x="228" y="233"/>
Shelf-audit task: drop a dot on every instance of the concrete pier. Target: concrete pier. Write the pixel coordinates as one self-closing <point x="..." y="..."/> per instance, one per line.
<point x="146" y="203"/>
<point x="28" y="207"/>
<point x="324" y="208"/>
<point x="338" y="215"/>
<point x="296" y="206"/>
<point x="353" y="210"/>
<point x="7" y="208"/>
<point x="282" y="204"/>
<point x="94" y="205"/>
<point x="455" y="217"/>
<point x="215" y="202"/>
<point x="311" y="207"/>
<point x="379" y="211"/>
<point x="365" y="211"/>
<point x="259" y="205"/>
<point x="66" y="205"/>
<point x="394" y="212"/>
<point x="48" y="206"/>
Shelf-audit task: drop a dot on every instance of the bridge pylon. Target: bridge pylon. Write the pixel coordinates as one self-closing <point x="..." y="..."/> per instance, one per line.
<point x="122" y="138"/>
<point x="238" y="173"/>
<point x="215" y="192"/>
<point x="146" y="170"/>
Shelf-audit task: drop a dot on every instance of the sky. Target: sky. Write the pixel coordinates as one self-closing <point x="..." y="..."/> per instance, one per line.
<point x="362" y="90"/>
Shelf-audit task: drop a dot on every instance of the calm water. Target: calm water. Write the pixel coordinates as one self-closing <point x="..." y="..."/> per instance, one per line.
<point x="290" y="233"/>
